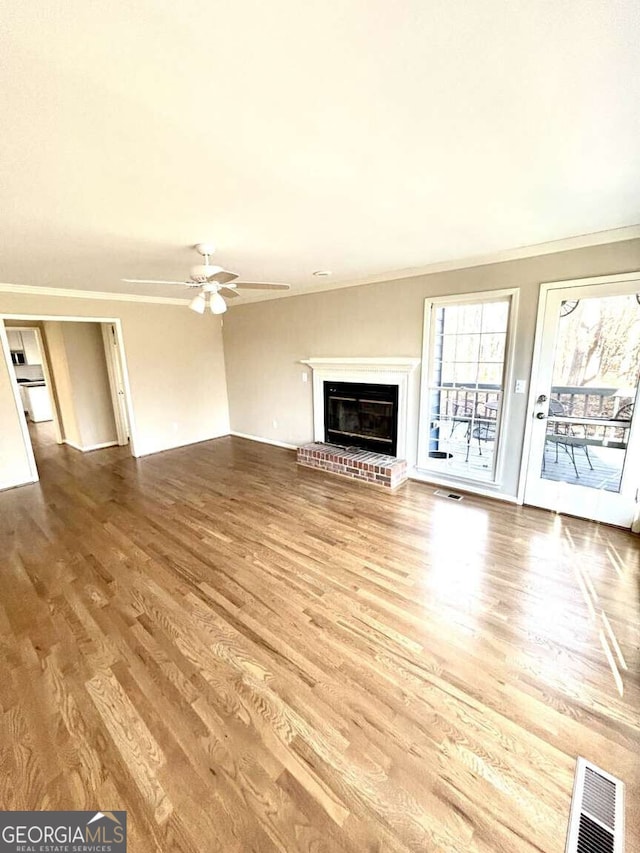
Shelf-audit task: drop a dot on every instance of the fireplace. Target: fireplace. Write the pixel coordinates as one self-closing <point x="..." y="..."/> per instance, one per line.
<point x="369" y="372"/>
<point x="361" y="414"/>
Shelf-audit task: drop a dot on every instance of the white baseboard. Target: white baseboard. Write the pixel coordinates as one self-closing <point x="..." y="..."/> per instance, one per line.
<point x="264" y="440"/>
<point x="89" y="447"/>
<point x="434" y="480"/>
<point x="100" y="446"/>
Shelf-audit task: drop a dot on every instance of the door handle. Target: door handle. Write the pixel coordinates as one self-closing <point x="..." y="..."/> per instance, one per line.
<point x="540" y="416"/>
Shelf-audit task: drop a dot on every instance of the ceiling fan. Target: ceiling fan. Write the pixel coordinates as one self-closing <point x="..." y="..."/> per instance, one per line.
<point x="214" y="282"/>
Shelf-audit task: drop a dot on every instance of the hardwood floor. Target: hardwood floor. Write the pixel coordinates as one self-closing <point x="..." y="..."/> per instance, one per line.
<point x="251" y="656"/>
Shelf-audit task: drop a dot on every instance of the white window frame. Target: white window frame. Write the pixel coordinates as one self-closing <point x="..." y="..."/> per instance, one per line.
<point x="428" y="343"/>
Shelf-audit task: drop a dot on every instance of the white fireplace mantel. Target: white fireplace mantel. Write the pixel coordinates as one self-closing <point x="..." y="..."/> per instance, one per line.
<point x="383" y="371"/>
<point x="401" y="365"/>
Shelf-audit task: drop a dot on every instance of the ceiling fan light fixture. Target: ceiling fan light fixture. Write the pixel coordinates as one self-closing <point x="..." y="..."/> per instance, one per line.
<point x="217" y="304"/>
<point x="198" y="304"/>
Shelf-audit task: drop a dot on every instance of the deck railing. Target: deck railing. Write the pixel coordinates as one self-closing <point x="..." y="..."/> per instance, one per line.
<point x="581" y="402"/>
<point x="599" y="415"/>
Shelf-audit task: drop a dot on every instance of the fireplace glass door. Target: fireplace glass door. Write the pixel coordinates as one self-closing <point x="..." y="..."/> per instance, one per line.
<point x="361" y="415"/>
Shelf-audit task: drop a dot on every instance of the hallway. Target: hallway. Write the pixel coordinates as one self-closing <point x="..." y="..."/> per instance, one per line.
<point x="53" y="459"/>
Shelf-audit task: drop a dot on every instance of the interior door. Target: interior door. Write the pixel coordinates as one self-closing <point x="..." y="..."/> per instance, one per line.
<point x="584" y="457"/>
<point x="116" y="381"/>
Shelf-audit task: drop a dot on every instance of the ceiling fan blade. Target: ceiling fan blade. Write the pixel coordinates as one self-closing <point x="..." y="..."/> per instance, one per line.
<point x="262" y="285"/>
<point x="156" y="281"/>
<point x="223" y="277"/>
<point x="229" y="292"/>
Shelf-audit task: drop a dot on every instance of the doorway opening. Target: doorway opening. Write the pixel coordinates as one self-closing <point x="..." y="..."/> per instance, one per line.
<point x="70" y="385"/>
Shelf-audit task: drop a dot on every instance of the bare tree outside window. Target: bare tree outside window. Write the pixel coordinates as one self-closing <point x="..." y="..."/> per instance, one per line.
<point x="599" y="344"/>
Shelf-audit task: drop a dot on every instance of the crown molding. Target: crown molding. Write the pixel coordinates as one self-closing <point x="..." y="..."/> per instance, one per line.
<point x="581" y="241"/>
<point x="73" y="293"/>
<point x="567" y="244"/>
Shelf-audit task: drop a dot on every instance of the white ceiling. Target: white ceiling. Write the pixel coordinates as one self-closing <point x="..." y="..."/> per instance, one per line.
<point x="361" y="136"/>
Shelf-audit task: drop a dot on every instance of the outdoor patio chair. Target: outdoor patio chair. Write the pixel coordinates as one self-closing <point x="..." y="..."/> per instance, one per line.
<point x="624" y="413"/>
<point x="485" y="428"/>
<point x="484" y="431"/>
<point x="462" y="413"/>
<point x="565" y="436"/>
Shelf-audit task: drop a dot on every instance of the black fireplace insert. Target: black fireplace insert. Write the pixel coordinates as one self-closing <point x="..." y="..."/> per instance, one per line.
<point x="361" y="415"/>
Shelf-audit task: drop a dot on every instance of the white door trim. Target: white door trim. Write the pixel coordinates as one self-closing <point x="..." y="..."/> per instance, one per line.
<point x="114" y="371"/>
<point x="545" y="288"/>
<point x="24" y="429"/>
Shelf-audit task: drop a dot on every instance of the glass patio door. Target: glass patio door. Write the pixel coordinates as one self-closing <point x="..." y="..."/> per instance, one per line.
<point x="584" y="457"/>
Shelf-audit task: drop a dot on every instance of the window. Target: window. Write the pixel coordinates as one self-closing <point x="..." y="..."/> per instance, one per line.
<point x="466" y="346"/>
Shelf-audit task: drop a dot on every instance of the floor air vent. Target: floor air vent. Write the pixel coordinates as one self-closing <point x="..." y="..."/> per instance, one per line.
<point x="452" y="496"/>
<point x="596" y="822"/>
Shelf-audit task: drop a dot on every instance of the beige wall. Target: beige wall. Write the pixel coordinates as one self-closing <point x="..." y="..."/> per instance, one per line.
<point x="176" y="371"/>
<point x="265" y="341"/>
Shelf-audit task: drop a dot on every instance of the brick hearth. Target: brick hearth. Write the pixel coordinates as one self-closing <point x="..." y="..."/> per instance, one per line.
<point x="352" y="462"/>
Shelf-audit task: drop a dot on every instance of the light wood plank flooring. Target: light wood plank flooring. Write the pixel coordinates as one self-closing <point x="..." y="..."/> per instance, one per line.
<point x="251" y="656"/>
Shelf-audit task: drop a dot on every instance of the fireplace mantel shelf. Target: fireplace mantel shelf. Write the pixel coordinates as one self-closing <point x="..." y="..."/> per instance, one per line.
<point x="383" y="363"/>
